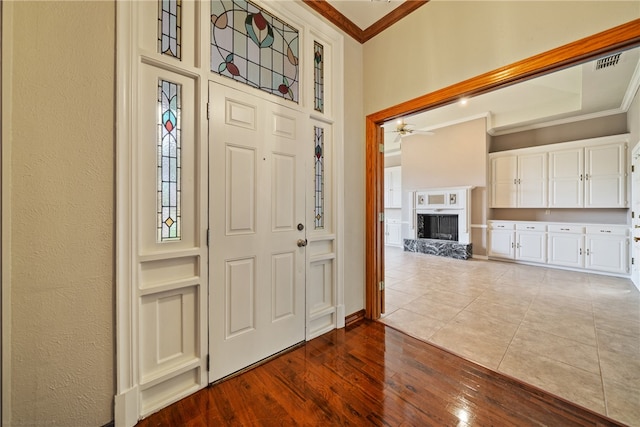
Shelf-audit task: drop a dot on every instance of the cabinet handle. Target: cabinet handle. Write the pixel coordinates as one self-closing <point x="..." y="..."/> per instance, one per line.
<point x="580" y="251"/>
<point x="513" y="245"/>
<point x="605" y="231"/>
<point x="580" y="177"/>
<point x="530" y="228"/>
<point x="519" y="181"/>
<point x="586" y="176"/>
<point x="515" y="181"/>
<point x="588" y="253"/>
<point x="564" y="229"/>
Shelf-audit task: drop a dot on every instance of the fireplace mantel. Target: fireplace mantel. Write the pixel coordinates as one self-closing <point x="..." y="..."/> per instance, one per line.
<point x="445" y="201"/>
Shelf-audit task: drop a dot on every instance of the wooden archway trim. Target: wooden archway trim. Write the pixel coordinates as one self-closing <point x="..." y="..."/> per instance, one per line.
<point x="617" y="38"/>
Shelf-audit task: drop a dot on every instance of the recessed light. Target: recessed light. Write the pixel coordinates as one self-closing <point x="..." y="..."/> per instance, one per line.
<point x="463" y="101"/>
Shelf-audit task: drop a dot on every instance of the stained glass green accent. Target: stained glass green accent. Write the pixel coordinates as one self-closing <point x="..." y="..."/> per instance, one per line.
<point x="319" y="176"/>
<point x="254" y="47"/>
<point x="170" y="27"/>
<point x="318" y="76"/>
<point x="168" y="152"/>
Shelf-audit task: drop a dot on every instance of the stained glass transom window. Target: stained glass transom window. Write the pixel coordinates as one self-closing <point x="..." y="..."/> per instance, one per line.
<point x="318" y="76"/>
<point x="169" y="222"/>
<point x="254" y="47"/>
<point x="319" y="177"/>
<point x="170" y="27"/>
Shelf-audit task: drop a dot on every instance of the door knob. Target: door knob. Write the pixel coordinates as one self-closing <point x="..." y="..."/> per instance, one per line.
<point x="302" y="243"/>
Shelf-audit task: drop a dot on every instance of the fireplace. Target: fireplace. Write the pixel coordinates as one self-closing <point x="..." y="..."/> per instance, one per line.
<point x="440" y="222"/>
<point x="440" y="227"/>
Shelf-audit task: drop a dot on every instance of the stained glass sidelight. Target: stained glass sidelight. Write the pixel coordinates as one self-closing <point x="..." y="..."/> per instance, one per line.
<point x="318" y="76"/>
<point x="169" y="222"/>
<point x="170" y="27"/>
<point x="254" y="47"/>
<point x="319" y="177"/>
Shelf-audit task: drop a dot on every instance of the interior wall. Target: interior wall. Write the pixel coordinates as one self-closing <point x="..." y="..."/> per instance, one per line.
<point x="62" y="212"/>
<point x="445" y="42"/>
<point x="454" y="156"/>
<point x="354" y="178"/>
<point x="584" y="129"/>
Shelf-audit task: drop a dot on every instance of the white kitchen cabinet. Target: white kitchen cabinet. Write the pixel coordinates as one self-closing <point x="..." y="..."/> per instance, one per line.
<point x="502" y="242"/>
<point x="393" y="187"/>
<point x="393" y="235"/>
<point x="565" y="245"/>
<point x="504" y="175"/>
<point x="606" y="176"/>
<point x="531" y="242"/>
<point x="518" y="241"/>
<point x="589" y="174"/>
<point x="607" y="249"/>
<point x="566" y="178"/>
<point x="519" y="180"/>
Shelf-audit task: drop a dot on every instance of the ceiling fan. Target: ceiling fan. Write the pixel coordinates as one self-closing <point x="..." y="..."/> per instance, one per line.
<point x="403" y="129"/>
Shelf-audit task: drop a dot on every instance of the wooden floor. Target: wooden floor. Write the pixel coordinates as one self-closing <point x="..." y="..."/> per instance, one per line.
<point x="371" y="374"/>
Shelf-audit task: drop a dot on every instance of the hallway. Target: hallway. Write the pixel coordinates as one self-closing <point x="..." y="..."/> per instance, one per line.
<point x="576" y="335"/>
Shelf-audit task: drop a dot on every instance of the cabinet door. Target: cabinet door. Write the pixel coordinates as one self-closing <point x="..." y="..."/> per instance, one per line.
<point x="532" y="180"/>
<point x="393" y="187"/>
<point x="503" y="181"/>
<point x="566" y="176"/>
<point x="531" y="246"/>
<point x="605" y="176"/>
<point x="566" y="249"/>
<point x="607" y="253"/>
<point x="393" y="234"/>
<point x="501" y="244"/>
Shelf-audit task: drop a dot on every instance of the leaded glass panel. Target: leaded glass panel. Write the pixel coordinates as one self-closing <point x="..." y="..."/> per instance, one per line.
<point x="318" y="76"/>
<point x="254" y="47"/>
<point x="168" y="152"/>
<point x="319" y="177"/>
<point x="170" y="27"/>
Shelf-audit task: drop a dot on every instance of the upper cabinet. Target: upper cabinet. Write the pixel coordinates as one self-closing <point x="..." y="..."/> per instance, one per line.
<point x="590" y="176"/>
<point x="581" y="174"/>
<point x="518" y="180"/>
<point x="393" y="187"/>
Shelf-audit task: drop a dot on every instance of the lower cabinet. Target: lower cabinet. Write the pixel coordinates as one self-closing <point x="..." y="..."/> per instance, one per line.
<point x="566" y="245"/>
<point x="591" y="247"/>
<point x="393" y="234"/>
<point x="607" y="249"/>
<point x="524" y="242"/>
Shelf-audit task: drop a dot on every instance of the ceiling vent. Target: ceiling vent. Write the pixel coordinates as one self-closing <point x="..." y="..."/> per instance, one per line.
<point x="608" y="61"/>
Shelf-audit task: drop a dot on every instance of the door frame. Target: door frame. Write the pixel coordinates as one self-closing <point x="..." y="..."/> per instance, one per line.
<point x="621" y="37"/>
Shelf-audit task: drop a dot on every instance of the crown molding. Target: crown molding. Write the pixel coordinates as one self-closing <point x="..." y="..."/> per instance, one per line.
<point x="332" y="15"/>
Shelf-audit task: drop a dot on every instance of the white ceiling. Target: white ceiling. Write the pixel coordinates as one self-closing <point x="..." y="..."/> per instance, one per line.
<point x="567" y="95"/>
<point x="363" y="13"/>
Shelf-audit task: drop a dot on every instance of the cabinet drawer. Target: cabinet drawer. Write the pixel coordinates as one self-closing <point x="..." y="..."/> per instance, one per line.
<point x="566" y="228"/>
<point x="615" y="230"/>
<point x="531" y="227"/>
<point x="502" y="226"/>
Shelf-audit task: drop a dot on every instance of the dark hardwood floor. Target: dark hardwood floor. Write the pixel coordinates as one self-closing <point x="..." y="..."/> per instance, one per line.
<point x="371" y="374"/>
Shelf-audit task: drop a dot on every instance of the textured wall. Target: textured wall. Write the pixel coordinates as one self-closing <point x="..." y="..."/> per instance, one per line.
<point x="62" y="207"/>
<point x="354" y="185"/>
<point x="445" y="42"/>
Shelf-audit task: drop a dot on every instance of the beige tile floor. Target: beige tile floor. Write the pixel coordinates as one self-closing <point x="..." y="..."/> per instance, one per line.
<point x="576" y="335"/>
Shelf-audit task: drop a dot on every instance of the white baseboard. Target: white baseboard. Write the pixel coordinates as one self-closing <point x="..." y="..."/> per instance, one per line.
<point x="126" y="408"/>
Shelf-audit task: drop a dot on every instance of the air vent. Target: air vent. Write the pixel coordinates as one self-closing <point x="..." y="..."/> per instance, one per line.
<point x="608" y="61"/>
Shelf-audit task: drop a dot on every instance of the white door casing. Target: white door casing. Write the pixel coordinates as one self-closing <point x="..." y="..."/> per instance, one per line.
<point x="257" y="189"/>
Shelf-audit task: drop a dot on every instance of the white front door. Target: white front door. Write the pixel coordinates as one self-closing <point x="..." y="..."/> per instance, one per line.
<point x="257" y="222"/>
